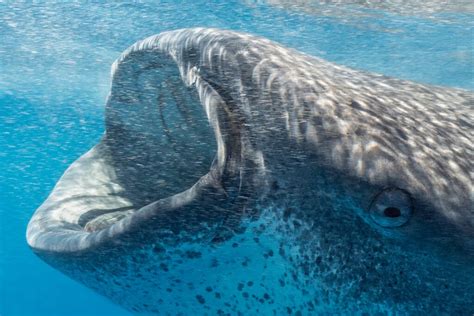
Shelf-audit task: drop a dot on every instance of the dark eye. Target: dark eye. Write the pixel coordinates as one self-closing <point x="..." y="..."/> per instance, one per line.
<point x="392" y="207"/>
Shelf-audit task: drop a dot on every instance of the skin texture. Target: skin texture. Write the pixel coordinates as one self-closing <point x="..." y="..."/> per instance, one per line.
<point x="239" y="176"/>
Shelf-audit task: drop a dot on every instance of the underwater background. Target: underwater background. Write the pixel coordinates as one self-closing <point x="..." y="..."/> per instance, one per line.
<point x="55" y="63"/>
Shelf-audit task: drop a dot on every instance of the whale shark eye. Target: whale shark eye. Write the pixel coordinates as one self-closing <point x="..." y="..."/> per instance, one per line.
<point x="391" y="207"/>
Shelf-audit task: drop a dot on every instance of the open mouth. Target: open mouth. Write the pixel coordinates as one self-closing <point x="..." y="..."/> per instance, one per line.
<point x="158" y="154"/>
<point x="158" y="141"/>
<point x="175" y="152"/>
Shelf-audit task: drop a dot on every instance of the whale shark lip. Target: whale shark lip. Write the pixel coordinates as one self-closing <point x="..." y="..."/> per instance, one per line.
<point x="102" y="218"/>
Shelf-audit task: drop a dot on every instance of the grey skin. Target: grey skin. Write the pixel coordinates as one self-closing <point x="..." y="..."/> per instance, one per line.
<point x="239" y="176"/>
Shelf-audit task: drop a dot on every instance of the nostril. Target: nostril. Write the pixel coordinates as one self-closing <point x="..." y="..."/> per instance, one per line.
<point x="392" y="212"/>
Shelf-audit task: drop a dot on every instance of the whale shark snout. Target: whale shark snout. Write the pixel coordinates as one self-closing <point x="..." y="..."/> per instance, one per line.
<point x="239" y="176"/>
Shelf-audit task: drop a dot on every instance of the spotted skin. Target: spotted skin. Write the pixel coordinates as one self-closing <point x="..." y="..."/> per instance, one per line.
<point x="239" y="177"/>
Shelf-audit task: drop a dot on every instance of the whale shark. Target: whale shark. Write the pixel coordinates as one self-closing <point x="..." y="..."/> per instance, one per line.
<point x="240" y="177"/>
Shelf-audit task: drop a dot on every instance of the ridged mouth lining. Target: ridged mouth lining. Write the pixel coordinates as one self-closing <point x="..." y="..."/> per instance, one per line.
<point x="167" y="132"/>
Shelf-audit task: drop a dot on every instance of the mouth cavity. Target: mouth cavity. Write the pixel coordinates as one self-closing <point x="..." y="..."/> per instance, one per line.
<point x="159" y="142"/>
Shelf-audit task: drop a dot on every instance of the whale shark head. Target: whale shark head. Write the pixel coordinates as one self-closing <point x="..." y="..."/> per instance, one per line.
<point x="239" y="176"/>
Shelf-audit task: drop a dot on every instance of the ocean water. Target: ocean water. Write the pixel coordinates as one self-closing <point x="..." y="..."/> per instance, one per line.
<point x="54" y="77"/>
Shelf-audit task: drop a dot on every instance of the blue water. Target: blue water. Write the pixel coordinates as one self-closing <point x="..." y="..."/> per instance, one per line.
<point x="54" y="76"/>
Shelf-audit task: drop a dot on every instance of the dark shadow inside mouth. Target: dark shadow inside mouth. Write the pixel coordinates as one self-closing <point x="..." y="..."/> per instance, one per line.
<point x="158" y="143"/>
